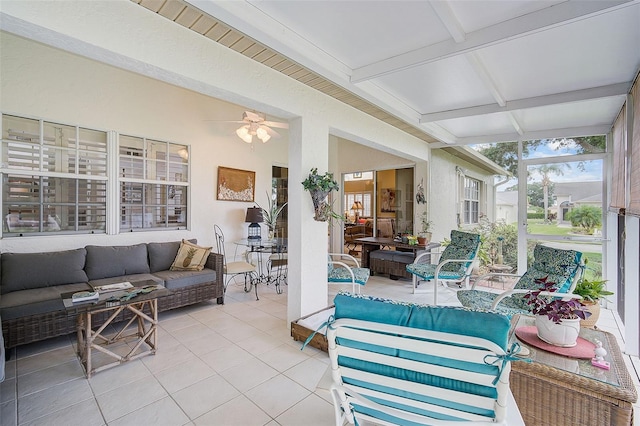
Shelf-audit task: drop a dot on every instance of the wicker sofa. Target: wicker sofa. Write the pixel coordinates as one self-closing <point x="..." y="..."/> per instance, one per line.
<point x="31" y="284"/>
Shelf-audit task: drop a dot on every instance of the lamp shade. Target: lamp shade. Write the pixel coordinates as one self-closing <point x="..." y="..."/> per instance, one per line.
<point x="254" y="215"/>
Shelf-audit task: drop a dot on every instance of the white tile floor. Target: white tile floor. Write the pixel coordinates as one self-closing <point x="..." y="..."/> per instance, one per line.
<point x="232" y="364"/>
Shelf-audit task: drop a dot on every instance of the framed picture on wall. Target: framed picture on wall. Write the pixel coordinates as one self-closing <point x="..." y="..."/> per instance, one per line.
<point x="388" y="200"/>
<point x="236" y="185"/>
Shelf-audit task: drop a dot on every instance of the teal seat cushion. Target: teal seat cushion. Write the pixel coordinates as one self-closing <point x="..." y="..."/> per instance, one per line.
<point x="339" y="274"/>
<point x="494" y="327"/>
<point x="427" y="271"/>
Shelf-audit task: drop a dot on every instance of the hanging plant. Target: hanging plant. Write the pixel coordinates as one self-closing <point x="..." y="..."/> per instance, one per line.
<point x="320" y="186"/>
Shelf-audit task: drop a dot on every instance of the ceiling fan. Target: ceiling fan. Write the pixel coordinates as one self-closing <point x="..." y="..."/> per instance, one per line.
<point x="257" y="125"/>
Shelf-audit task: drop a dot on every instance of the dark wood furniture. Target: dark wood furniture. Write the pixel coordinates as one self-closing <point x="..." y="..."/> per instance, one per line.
<point x="557" y="390"/>
<point x="395" y="267"/>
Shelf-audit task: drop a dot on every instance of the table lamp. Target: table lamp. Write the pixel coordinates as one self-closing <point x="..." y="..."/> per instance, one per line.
<point x="254" y="217"/>
<point x="357" y="205"/>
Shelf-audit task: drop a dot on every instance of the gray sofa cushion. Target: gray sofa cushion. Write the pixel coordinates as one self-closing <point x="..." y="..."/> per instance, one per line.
<point x="24" y="271"/>
<point x="37" y="301"/>
<point x="115" y="261"/>
<point x="178" y="279"/>
<point x="131" y="278"/>
<point x="162" y="255"/>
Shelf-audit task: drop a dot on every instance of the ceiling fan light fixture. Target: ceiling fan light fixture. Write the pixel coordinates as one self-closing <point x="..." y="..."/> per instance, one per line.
<point x="243" y="133"/>
<point x="265" y="138"/>
<point x="262" y="134"/>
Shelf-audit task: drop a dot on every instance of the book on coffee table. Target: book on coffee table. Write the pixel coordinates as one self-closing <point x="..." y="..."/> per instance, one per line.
<point x="85" y="296"/>
<point x="113" y="287"/>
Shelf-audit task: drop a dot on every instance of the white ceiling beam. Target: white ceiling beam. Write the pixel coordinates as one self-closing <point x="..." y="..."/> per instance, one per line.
<point x="449" y="20"/>
<point x="569" y="132"/>
<point x="556" y="15"/>
<point x="481" y="71"/>
<point x="617" y="89"/>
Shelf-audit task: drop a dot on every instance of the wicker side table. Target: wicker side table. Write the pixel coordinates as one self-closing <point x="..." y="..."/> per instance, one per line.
<point x="555" y="390"/>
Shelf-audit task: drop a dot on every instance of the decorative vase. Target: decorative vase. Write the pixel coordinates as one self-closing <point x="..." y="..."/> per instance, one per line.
<point x="564" y="334"/>
<point x="271" y="233"/>
<point x="594" y="308"/>
<point x="320" y="205"/>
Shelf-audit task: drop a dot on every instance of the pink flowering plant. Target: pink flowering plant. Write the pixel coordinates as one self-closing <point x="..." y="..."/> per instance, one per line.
<point x="542" y="303"/>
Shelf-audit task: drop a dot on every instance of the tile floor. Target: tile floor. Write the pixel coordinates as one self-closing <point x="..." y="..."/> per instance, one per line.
<point x="234" y="364"/>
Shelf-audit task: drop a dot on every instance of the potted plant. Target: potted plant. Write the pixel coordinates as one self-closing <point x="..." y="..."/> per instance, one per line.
<point x="320" y="186"/>
<point x="424" y="236"/>
<point x="557" y="320"/>
<point x="271" y="214"/>
<point x="591" y="290"/>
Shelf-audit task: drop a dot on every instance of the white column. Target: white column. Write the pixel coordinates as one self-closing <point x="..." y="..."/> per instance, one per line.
<point x="307" y="239"/>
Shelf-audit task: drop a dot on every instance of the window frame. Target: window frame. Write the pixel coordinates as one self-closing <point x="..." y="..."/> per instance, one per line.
<point x="468" y="201"/>
<point x="138" y="173"/>
<point x="32" y="157"/>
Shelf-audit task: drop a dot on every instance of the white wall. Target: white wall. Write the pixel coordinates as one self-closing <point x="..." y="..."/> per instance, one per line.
<point x="78" y="91"/>
<point x="442" y="193"/>
<point x="121" y="34"/>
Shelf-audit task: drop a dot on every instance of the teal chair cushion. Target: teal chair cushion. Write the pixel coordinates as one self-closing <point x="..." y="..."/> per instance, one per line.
<point x="557" y="265"/>
<point x="463" y="246"/>
<point x="464" y="321"/>
<point x="341" y="275"/>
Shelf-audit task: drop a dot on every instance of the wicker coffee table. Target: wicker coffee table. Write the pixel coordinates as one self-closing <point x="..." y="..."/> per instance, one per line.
<point x="143" y="312"/>
<point x="556" y="390"/>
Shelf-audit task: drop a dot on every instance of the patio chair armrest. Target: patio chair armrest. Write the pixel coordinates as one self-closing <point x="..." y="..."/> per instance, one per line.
<point x="436" y="273"/>
<point x="492" y="274"/>
<point x="344" y="265"/>
<point x="426" y="253"/>
<point x="341" y="255"/>
<point x="524" y="291"/>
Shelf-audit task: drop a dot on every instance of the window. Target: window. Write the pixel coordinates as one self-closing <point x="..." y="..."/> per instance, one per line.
<point x="54" y="177"/>
<point x="471" y="201"/>
<point x="153" y="184"/>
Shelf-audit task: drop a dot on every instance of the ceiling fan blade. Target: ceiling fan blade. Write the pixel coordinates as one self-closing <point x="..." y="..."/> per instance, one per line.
<point x="276" y="124"/>
<point x="270" y="132"/>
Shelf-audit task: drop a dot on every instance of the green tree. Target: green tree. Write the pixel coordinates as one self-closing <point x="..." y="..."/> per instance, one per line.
<point x="546" y="170"/>
<point x="586" y="217"/>
<point x="505" y="154"/>
<point x="492" y="236"/>
<point x="535" y="192"/>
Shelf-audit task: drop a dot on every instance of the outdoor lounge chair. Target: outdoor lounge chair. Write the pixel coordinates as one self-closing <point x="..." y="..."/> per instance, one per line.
<point x="402" y="364"/>
<point x="563" y="267"/>
<point x="340" y="273"/>
<point x="454" y="267"/>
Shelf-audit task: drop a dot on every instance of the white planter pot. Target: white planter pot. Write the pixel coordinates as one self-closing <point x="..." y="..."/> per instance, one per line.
<point x="564" y="334"/>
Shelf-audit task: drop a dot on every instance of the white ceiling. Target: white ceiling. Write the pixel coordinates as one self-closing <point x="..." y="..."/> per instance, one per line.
<point x="463" y="71"/>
